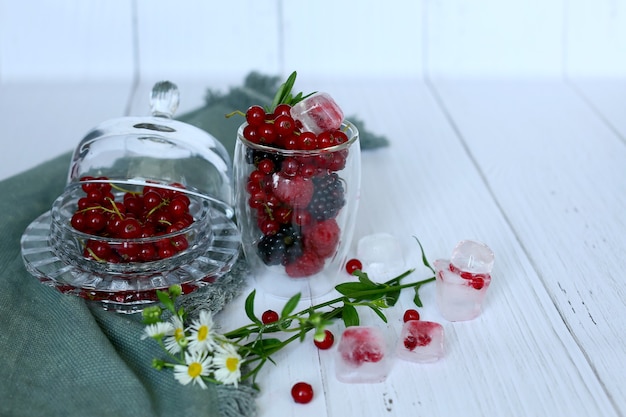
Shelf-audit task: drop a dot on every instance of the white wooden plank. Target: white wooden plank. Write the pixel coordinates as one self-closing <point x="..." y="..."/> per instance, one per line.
<point x="494" y="38"/>
<point x="518" y="358"/>
<point x="43" y="120"/>
<point x="197" y="39"/>
<point x="607" y="96"/>
<point x="553" y="167"/>
<point x="368" y="38"/>
<point x="66" y="40"/>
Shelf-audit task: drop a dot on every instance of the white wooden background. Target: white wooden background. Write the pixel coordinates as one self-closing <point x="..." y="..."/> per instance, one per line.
<point x="509" y="117"/>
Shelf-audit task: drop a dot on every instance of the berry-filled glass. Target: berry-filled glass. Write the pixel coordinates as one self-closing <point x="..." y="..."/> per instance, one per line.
<point x="296" y="197"/>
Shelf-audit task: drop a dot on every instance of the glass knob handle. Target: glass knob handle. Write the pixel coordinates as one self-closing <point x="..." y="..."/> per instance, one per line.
<point x="164" y="99"/>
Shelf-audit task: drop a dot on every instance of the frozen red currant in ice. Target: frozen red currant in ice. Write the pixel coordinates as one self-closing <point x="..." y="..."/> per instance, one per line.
<point x="302" y="392"/>
<point x="326" y="342"/>
<point x="318" y="113"/>
<point x="269" y="316"/>
<point x="411" y="314"/>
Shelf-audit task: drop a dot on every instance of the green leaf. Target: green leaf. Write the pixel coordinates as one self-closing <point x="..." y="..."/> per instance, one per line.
<point x="424" y="260"/>
<point x="392" y="298"/>
<point x="363" y="278"/>
<point x="249" y="308"/>
<point x="284" y="91"/>
<point x="350" y="316"/>
<point x="166" y="300"/>
<point x="290" y="306"/>
<point x="348" y="288"/>
<point x="378" y="312"/>
<point x="416" y="298"/>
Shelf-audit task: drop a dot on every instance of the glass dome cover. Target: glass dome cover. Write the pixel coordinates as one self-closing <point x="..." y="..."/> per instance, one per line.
<point x="157" y="149"/>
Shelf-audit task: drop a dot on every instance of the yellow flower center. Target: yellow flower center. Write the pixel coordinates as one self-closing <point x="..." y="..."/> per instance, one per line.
<point x="203" y="333"/>
<point x="179" y="334"/>
<point x="194" y="369"/>
<point x="232" y="363"/>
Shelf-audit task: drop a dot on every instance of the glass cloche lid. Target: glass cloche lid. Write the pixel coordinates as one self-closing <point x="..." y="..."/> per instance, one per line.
<point x="157" y="149"/>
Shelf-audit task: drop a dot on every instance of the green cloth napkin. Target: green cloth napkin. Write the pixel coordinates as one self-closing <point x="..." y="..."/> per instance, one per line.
<point x="61" y="356"/>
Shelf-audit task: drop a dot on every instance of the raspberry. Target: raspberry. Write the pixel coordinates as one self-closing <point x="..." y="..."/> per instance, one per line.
<point x="323" y="238"/>
<point x="308" y="264"/>
<point x="294" y="191"/>
<point x="328" y="197"/>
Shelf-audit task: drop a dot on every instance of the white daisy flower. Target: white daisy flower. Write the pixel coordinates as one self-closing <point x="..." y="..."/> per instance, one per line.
<point x="176" y="339"/>
<point x="227" y="363"/>
<point x="196" y="366"/>
<point x="202" y="336"/>
<point x="158" y="330"/>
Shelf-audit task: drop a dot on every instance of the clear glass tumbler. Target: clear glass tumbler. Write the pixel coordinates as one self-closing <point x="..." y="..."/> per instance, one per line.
<point x="296" y="211"/>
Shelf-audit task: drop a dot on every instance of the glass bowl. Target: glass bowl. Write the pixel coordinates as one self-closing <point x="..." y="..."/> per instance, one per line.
<point x="137" y="156"/>
<point x="165" y="241"/>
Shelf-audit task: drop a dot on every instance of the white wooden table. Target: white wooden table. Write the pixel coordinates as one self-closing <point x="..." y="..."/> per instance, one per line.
<point x="535" y="168"/>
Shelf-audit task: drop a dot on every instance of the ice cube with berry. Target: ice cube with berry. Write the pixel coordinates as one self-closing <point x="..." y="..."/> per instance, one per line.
<point x="363" y="355"/>
<point x="318" y="113"/>
<point x="420" y="341"/>
<point x="462" y="281"/>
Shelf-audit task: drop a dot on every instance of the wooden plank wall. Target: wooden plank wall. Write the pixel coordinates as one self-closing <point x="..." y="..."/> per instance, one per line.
<point x="120" y="39"/>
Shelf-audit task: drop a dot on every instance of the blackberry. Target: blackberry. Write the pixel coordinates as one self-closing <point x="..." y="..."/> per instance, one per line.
<point x="281" y="248"/>
<point x="328" y="197"/>
<point x="254" y="156"/>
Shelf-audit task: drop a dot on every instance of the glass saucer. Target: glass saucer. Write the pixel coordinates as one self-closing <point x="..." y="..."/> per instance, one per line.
<point x="129" y="293"/>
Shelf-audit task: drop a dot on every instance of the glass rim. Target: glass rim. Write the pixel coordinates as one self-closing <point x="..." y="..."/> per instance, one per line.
<point x="345" y="126"/>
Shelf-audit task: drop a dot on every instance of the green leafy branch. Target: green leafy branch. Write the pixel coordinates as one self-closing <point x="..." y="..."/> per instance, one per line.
<point x="255" y="341"/>
<point x="362" y="293"/>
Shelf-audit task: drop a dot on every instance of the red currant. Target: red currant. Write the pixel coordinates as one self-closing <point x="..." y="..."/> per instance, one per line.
<point x="282" y="109"/>
<point x="302" y="393"/>
<point x="266" y="166"/>
<point x="411" y="314"/>
<point x="306" y="141"/>
<point x="284" y="125"/>
<point x="269" y="316"/>
<point x="250" y="132"/>
<point x="353" y="265"/>
<point x="267" y="133"/>
<point x="327" y="342"/>
<point x="255" y="115"/>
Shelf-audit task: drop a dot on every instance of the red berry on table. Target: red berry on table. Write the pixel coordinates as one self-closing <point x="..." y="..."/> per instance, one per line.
<point x="411" y="314"/>
<point x="302" y="393"/>
<point x="353" y="265"/>
<point x="325" y="343"/>
<point x="269" y="316"/>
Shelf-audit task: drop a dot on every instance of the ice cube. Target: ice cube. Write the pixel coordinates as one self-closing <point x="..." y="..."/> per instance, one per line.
<point x="363" y="355"/>
<point x="381" y="255"/>
<point x="460" y="294"/>
<point x="420" y="341"/>
<point x="473" y="257"/>
<point x="318" y="113"/>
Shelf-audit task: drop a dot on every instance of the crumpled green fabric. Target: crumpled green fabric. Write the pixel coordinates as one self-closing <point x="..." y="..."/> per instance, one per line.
<point x="59" y="356"/>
